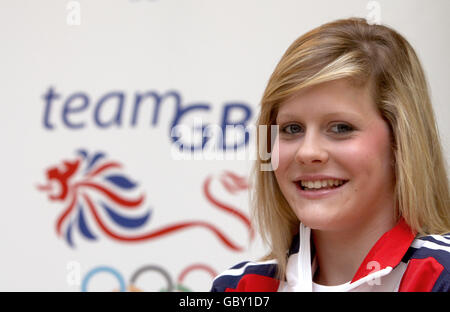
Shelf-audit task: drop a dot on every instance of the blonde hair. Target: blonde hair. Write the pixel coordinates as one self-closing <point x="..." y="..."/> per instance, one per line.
<point x="363" y="53"/>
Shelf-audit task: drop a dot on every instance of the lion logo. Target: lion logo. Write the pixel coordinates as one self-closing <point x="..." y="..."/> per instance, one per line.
<point x="95" y="189"/>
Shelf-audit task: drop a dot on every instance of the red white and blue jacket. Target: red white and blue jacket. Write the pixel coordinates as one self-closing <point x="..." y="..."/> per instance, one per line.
<point x="399" y="261"/>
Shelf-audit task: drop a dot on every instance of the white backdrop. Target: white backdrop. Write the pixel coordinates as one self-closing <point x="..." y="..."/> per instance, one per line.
<point x="98" y="57"/>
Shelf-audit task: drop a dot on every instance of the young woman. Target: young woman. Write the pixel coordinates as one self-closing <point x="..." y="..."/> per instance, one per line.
<point x="358" y="199"/>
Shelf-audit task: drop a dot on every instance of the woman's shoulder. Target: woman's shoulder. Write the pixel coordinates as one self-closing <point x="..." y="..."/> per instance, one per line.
<point x="434" y="246"/>
<point x="248" y="276"/>
<point x="429" y="258"/>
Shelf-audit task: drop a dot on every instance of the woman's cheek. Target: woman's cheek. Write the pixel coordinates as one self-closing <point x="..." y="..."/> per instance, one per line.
<point x="288" y="154"/>
<point x="354" y="155"/>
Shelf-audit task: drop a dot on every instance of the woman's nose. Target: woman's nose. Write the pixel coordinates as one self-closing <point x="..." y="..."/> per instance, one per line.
<point x="311" y="150"/>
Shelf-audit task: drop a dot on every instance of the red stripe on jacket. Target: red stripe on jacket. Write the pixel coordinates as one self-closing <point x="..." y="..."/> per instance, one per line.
<point x="420" y="275"/>
<point x="255" y="282"/>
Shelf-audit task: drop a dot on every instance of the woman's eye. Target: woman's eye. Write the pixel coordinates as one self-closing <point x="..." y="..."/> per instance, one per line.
<point x="341" y="128"/>
<point x="292" y="129"/>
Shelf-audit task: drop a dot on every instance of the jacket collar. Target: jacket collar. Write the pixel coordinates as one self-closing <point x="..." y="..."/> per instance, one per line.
<point x="386" y="254"/>
<point x="388" y="251"/>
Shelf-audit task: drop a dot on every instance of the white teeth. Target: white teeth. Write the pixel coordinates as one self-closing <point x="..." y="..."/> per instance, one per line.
<point x="321" y="183"/>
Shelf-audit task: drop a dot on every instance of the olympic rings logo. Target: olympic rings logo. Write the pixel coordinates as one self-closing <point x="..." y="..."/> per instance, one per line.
<point x="170" y="285"/>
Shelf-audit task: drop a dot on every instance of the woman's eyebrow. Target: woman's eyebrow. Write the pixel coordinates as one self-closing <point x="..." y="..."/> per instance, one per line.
<point x="352" y="115"/>
<point x="286" y="116"/>
<point x="339" y="114"/>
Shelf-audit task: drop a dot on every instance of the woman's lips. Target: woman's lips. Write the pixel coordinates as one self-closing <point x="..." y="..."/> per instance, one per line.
<point x="320" y="193"/>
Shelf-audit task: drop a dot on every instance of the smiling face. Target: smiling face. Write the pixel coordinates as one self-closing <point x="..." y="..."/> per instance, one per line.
<point x="334" y="157"/>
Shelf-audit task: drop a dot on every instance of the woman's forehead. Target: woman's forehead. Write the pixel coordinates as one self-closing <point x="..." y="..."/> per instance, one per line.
<point x="330" y="98"/>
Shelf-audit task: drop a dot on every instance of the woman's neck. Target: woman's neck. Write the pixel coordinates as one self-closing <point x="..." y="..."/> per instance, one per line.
<point x="340" y="253"/>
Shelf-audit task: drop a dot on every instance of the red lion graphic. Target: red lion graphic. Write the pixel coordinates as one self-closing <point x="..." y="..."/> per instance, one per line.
<point x="86" y="173"/>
